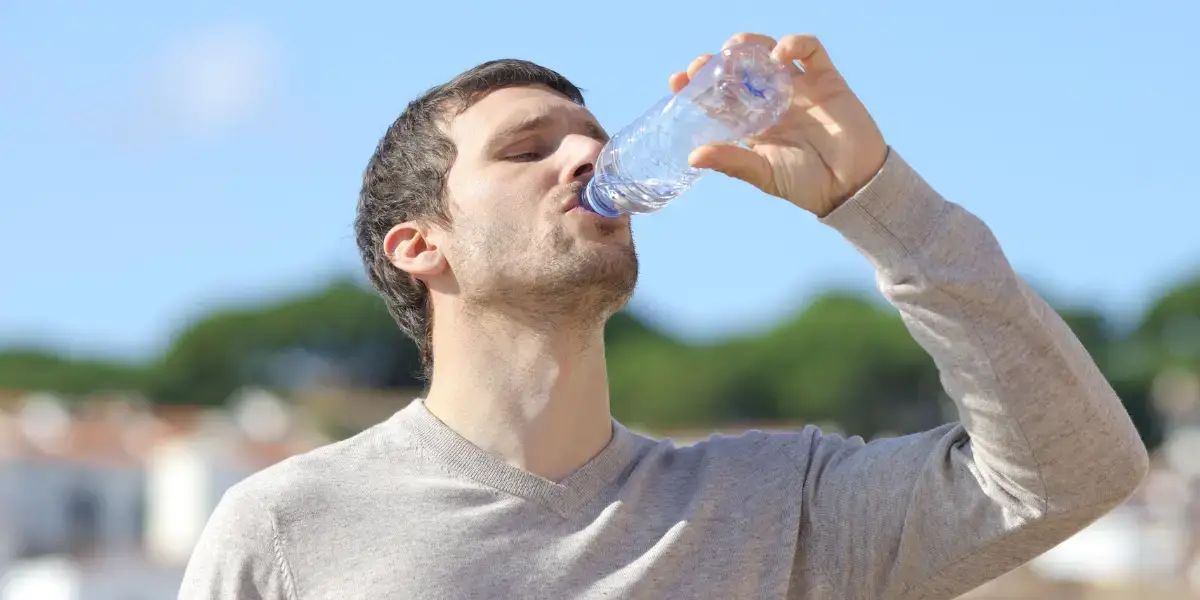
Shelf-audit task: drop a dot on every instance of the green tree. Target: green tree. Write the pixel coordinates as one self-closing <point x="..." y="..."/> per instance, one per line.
<point x="44" y="370"/>
<point x="842" y="358"/>
<point x="654" y="380"/>
<point x="1170" y="329"/>
<point x="852" y="361"/>
<point x="341" y="333"/>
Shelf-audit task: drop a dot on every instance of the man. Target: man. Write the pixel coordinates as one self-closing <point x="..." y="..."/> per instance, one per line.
<point x="510" y="479"/>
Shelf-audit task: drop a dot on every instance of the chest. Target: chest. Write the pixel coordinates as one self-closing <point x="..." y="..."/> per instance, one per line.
<point x="511" y="549"/>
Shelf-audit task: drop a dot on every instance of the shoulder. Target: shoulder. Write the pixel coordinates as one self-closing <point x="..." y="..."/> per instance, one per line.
<point x="751" y="449"/>
<point x="755" y="459"/>
<point x="303" y="483"/>
<point x="243" y="550"/>
<point x="744" y="487"/>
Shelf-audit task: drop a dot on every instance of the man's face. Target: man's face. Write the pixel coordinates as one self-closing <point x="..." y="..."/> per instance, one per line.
<point x="519" y="238"/>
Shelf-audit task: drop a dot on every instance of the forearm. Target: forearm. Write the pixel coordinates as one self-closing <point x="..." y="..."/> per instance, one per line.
<point x="1043" y="421"/>
<point x="1043" y="446"/>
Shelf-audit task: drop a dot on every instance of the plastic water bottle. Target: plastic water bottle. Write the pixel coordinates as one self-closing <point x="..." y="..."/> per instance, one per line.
<point x="737" y="93"/>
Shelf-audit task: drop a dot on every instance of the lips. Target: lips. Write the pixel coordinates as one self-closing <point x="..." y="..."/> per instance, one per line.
<point x="574" y="198"/>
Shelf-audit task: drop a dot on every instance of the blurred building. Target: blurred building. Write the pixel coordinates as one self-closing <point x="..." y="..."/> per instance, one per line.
<point x="69" y="483"/>
<point x="104" y="498"/>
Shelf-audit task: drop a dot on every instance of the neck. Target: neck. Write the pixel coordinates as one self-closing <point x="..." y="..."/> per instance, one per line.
<point x="535" y="396"/>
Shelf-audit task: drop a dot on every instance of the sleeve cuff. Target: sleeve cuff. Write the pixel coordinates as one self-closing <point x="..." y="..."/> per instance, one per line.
<point x="891" y="217"/>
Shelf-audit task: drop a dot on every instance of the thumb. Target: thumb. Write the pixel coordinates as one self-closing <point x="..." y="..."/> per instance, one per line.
<point x="735" y="161"/>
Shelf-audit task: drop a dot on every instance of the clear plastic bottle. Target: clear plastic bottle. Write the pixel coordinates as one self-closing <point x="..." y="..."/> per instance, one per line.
<point x="737" y="93"/>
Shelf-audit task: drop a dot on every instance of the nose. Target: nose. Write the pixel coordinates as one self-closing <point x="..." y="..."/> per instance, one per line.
<point x="580" y="154"/>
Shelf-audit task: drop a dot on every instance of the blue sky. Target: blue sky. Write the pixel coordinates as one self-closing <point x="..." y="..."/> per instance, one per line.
<point x="157" y="159"/>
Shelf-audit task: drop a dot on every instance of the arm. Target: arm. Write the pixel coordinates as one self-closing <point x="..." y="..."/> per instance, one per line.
<point x="238" y="555"/>
<point x="1044" y="446"/>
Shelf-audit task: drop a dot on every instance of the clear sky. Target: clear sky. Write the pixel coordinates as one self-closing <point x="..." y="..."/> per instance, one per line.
<point x="160" y="158"/>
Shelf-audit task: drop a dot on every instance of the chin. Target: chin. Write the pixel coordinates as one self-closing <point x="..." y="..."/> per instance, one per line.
<point x="614" y="246"/>
<point x="619" y="225"/>
<point x="582" y="288"/>
<point x="591" y="226"/>
<point x="619" y="273"/>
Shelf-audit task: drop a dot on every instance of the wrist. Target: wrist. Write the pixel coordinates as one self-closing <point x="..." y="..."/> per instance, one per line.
<point x="856" y="187"/>
<point x="892" y="216"/>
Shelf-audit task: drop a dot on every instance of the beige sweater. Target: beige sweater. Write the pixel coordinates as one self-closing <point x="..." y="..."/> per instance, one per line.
<point x="408" y="509"/>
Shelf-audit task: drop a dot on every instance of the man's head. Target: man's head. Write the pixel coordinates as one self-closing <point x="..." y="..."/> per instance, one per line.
<point x="470" y="201"/>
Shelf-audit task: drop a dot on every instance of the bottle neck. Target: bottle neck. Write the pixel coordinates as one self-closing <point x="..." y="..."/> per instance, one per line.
<point x="595" y="200"/>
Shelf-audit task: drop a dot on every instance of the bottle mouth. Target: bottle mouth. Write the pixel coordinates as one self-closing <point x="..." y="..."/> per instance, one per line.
<point x="596" y="201"/>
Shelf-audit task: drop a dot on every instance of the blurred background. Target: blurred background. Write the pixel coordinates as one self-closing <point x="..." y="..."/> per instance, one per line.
<point x="181" y="303"/>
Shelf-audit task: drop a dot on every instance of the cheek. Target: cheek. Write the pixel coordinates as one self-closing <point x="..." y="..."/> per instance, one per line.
<point x="510" y="205"/>
<point x="505" y="210"/>
<point x="471" y="198"/>
<point x="485" y="198"/>
<point x="491" y="231"/>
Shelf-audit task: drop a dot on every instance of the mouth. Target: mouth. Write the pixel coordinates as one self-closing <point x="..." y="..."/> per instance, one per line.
<point x="573" y="202"/>
<point x="574" y="198"/>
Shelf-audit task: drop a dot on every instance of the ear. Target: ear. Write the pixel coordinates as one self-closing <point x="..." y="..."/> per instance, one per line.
<point x="410" y="249"/>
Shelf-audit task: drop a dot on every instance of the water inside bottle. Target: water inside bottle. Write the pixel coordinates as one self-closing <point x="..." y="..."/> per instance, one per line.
<point x="646" y="166"/>
<point x="627" y="196"/>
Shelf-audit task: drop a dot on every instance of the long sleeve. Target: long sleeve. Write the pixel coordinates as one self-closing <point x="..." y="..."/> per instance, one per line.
<point x="1042" y="448"/>
<point x="238" y="556"/>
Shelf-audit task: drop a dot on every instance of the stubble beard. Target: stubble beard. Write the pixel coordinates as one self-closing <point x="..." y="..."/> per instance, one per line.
<point x="578" y="287"/>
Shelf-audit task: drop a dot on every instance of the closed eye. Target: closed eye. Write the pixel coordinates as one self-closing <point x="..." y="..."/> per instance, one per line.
<point x="524" y="157"/>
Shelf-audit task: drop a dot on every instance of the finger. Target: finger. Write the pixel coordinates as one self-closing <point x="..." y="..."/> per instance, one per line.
<point x="734" y="161"/>
<point x="765" y="41"/>
<point x="678" y="81"/>
<point x="804" y="48"/>
<point x="697" y="63"/>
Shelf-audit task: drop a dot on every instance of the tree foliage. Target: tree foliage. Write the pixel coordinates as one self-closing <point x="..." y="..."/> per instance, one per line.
<point x="843" y="358"/>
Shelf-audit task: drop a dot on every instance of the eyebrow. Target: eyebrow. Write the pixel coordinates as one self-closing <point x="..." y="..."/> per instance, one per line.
<point x="535" y="122"/>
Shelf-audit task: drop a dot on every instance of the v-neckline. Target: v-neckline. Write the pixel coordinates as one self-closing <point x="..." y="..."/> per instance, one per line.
<point x="564" y="497"/>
